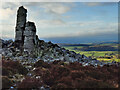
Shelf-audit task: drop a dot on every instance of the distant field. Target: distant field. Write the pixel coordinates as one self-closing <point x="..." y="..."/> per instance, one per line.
<point x="107" y="56"/>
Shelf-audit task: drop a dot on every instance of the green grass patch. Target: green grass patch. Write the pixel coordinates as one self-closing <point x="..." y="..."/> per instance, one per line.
<point x="96" y="54"/>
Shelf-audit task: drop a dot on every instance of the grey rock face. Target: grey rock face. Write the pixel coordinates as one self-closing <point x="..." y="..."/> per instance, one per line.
<point x="29" y="37"/>
<point x="20" y="27"/>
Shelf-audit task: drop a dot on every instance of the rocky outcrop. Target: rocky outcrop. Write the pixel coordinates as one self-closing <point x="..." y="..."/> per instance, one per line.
<point x="29" y="37"/>
<point x="20" y="27"/>
<point x="26" y="40"/>
<point x="28" y="48"/>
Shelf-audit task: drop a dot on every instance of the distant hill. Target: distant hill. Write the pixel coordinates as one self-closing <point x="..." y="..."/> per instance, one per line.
<point x="75" y="44"/>
<point x="89" y="44"/>
<point x="101" y="46"/>
<point x="109" y="42"/>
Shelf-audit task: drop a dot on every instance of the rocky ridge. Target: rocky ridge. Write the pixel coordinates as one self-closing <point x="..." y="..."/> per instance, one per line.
<point x="49" y="52"/>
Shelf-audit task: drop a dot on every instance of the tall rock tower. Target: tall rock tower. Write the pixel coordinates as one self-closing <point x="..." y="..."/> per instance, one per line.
<point x="29" y="37"/>
<point x="20" y="27"/>
<point x="26" y="39"/>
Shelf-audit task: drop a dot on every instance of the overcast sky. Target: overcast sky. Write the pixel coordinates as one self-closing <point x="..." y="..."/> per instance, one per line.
<point x="69" y="22"/>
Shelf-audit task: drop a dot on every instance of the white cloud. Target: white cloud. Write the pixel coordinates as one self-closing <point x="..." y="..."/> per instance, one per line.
<point x="92" y="3"/>
<point x="51" y="23"/>
<point x="87" y="29"/>
<point x="99" y="3"/>
<point x="56" y="8"/>
<point x="6" y="13"/>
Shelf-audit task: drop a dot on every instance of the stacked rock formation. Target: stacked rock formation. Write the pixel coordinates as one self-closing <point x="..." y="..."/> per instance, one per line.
<point x="29" y="37"/>
<point x="20" y="27"/>
<point x="25" y="39"/>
